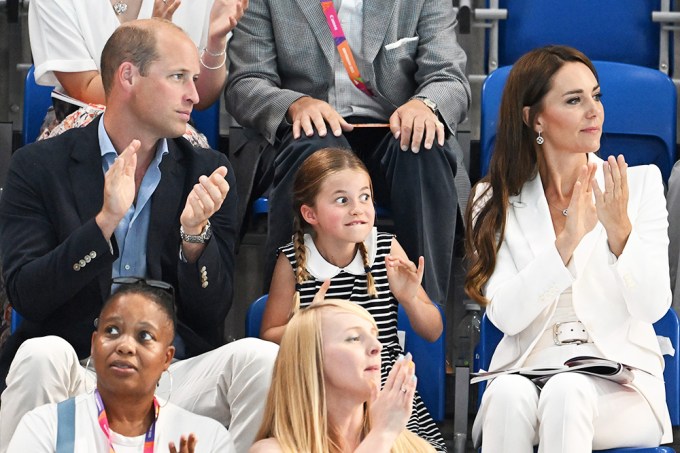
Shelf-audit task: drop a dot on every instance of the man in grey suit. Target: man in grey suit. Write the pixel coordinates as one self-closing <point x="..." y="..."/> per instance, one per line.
<point x="405" y="70"/>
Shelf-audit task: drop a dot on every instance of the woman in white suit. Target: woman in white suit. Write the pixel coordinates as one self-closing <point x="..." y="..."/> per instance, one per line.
<point x="569" y="253"/>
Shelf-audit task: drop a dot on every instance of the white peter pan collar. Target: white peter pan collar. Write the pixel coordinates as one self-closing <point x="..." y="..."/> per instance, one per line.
<point x="321" y="269"/>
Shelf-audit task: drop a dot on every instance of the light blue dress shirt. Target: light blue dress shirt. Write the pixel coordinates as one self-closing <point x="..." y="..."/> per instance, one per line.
<point x="132" y="231"/>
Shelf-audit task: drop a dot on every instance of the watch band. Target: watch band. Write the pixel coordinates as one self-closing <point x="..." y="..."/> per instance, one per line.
<point x="202" y="238"/>
<point x="429" y="103"/>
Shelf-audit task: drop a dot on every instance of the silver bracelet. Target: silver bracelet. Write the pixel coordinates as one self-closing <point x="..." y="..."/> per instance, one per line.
<point x="214" y="54"/>
<point x="200" y="58"/>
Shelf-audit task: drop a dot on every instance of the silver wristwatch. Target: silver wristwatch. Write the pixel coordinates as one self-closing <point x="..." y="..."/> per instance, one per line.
<point x="197" y="238"/>
<point x="429" y="103"/>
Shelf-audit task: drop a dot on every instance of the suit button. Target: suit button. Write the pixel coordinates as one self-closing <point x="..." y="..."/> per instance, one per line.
<point x="93" y="254"/>
<point x="82" y="263"/>
<point x="76" y="267"/>
<point x="204" y="284"/>
<point x="87" y="258"/>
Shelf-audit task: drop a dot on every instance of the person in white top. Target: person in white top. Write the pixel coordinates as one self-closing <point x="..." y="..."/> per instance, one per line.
<point x="131" y="348"/>
<point x="569" y="253"/>
<point x="68" y="36"/>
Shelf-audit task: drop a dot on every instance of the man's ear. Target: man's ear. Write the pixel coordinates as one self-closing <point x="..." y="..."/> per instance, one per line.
<point x="126" y="73"/>
<point x="308" y="214"/>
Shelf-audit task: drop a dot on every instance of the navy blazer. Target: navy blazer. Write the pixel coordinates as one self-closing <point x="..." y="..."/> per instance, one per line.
<point x="53" y="192"/>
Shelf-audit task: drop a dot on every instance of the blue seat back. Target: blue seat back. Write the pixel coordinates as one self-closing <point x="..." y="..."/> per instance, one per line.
<point x="37" y="99"/>
<point x="609" y="30"/>
<point x="254" y="316"/>
<point x="430" y="358"/>
<point x="208" y="122"/>
<point x="667" y="326"/>
<point x="640" y="114"/>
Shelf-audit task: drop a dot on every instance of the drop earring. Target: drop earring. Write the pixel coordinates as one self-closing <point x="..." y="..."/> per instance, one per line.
<point x="539" y="139"/>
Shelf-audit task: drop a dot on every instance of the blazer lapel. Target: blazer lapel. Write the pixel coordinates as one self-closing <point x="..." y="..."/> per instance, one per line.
<point x="317" y="20"/>
<point x="86" y="174"/>
<point x="377" y="15"/>
<point x="166" y="204"/>
<point x="530" y="209"/>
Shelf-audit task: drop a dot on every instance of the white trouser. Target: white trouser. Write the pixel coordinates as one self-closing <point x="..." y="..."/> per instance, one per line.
<point x="229" y="384"/>
<point x="573" y="413"/>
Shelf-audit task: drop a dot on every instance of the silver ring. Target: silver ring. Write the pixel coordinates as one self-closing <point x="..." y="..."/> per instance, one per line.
<point x="403" y="389"/>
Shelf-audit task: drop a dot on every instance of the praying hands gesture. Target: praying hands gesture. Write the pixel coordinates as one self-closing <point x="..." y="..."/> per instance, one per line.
<point x="612" y="204"/>
<point x="391" y="407"/>
<point x="582" y="215"/>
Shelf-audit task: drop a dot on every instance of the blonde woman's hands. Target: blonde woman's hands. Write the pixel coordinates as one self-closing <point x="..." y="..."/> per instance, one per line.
<point x="392" y="406"/>
<point x="404" y="277"/>
<point x="612" y="204"/>
<point x="582" y="214"/>
<point x="186" y="444"/>
<point x="165" y="8"/>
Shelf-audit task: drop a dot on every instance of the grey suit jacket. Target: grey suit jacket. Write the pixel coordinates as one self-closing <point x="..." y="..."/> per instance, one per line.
<point x="282" y="50"/>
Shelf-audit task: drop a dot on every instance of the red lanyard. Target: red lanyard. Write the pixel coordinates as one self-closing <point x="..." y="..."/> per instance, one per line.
<point x="104" y="424"/>
<point x="343" y="46"/>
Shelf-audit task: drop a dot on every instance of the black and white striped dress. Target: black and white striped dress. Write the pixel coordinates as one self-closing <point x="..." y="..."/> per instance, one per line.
<point x="350" y="284"/>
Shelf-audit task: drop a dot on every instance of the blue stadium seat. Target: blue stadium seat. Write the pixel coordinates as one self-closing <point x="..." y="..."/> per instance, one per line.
<point x="430" y="358"/>
<point x="37" y="99"/>
<point x="611" y="30"/>
<point x="667" y="326"/>
<point x="208" y="122"/>
<point x="640" y="114"/>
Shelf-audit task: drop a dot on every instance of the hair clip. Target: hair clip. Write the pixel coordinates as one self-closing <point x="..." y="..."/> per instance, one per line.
<point x="367" y="269"/>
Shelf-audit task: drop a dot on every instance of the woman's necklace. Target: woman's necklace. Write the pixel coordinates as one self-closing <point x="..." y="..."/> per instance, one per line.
<point x="565" y="211"/>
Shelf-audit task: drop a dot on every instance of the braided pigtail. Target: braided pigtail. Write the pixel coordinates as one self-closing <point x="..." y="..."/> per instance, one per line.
<point x="370" y="281"/>
<point x="301" y="274"/>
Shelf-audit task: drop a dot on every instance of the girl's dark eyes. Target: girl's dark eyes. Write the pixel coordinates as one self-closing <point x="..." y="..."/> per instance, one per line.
<point x="365" y="197"/>
<point x="341" y="200"/>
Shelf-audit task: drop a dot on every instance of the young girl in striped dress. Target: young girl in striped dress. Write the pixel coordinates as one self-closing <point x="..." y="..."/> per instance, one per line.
<point x="335" y="240"/>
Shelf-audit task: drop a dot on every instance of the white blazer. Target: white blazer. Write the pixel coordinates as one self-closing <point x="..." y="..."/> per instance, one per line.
<point x="616" y="299"/>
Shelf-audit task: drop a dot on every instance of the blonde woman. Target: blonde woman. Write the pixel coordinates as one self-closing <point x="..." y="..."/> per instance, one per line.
<point x="332" y="402"/>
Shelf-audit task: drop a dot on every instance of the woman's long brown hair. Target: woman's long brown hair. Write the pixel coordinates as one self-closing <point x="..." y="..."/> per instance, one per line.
<point x="513" y="162"/>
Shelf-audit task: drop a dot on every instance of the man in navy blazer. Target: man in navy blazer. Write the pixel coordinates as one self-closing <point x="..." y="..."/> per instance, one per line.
<point x="288" y="81"/>
<point x="127" y="196"/>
